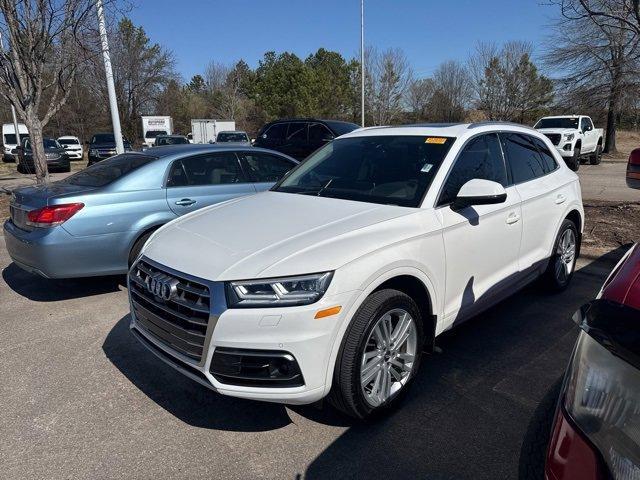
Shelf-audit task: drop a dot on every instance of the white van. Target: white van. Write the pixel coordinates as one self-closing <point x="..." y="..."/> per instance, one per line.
<point x="9" y="139"/>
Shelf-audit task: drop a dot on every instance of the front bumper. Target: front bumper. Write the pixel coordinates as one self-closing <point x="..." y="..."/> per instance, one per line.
<point x="74" y="154"/>
<point x="55" y="253"/>
<point x="289" y="329"/>
<point x="565" y="149"/>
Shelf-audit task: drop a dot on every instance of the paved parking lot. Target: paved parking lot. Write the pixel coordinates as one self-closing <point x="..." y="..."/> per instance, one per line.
<point x="79" y="398"/>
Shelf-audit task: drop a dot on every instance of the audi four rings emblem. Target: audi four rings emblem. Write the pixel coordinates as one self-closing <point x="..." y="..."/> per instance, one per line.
<point x="162" y="286"/>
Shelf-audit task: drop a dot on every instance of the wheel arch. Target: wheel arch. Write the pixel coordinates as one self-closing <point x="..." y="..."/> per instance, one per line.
<point x="406" y="277"/>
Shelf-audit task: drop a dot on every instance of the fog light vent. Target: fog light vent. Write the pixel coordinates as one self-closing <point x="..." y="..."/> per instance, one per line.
<point x="255" y="368"/>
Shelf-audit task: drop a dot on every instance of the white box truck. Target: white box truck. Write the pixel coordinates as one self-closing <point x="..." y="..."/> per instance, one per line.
<point x="204" y="130"/>
<point x="9" y="140"/>
<point x="152" y="126"/>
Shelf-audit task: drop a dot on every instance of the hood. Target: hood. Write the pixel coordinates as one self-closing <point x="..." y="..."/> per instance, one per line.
<point x="275" y="234"/>
<point x="557" y="130"/>
<point x="107" y="145"/>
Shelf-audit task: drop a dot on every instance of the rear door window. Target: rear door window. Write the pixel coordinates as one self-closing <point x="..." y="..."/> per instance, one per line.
<point x="297" y="132"/>
<point x="525" y="161"/>
<point x="208" y="169"/>
<point x="276" y="132"/>
<point x="549" y="162"/>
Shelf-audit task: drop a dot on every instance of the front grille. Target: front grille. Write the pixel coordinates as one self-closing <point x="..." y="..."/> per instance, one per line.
<point x="180" y="322"/>
<point x="554" y="137"/>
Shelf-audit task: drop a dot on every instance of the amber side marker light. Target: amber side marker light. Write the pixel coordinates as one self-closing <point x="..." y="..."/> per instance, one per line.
<point x="327" y="312"/>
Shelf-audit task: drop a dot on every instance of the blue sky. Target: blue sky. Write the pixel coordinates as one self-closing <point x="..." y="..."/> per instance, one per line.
<point x="429" y="31"/>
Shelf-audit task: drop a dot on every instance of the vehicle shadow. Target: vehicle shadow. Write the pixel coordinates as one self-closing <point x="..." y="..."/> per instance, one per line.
<point x="471" y="404"/>
<point x="40" y="289"/>
<point x="187" y="400"/>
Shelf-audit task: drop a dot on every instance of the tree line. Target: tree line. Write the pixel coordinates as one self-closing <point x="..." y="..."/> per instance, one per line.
<point x="589" y="65"/>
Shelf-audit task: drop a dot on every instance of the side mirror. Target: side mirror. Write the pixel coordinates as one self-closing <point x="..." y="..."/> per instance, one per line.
<point x="264" y="135"/>
<point x="479" y="192"/>
<point x="327" y="138"/>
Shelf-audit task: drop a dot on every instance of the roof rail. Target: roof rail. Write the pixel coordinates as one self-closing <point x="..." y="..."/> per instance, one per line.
<point x="432" y="125"/>
<point x="498" y="122"/>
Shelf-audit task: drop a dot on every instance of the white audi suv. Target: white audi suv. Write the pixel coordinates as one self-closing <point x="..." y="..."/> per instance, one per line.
<point x="336" y="281"/>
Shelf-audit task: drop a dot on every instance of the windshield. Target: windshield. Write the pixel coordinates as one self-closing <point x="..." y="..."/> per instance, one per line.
<point x="99" y="138"/>
<point x="51" y="143"/>
<point x="108" y="170"/>
<point x="171" y="141"/>
<point x="232" y="137"/>
<point x="340" y="128"/>
<point x="155" y="133"/>
<point x="394" y="170"/>
<point x="68" y="141"/>
<point x="10" y="138"/>
<point x="560" y="122"/>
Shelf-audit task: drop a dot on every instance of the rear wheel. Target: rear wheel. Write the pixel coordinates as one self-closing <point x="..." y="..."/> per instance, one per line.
<point x="20" y="168"/>
<point x="563" y="261"/>
<point x="379" y="356"/>
<point x="596" y="157"/>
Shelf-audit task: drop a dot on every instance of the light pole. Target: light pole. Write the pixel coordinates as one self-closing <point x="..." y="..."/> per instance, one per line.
<point x="111" y="89"/>
<point x="13" y="109"/>
<point x="362" y="62"/>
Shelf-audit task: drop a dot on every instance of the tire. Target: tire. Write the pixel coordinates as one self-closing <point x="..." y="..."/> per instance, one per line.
<point x="562" y="266"/>
<point x="596" y="157"/>
<point x="137" y="247"/>
<point x="536" y="439"/>
<point x="574" y="162"/>
<point x="348" y="394"/>
<point x="20" y="169"/>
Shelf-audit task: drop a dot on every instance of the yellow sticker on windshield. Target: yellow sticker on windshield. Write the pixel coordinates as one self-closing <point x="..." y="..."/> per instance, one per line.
<point x="436" y="140"/>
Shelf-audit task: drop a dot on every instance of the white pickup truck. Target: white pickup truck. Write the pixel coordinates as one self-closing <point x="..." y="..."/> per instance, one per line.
<point x="574" y="137"/>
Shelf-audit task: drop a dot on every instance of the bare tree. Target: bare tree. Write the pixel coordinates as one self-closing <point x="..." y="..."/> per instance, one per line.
<point x="419" y="98"/>
<point x="452" y="92"/>
<point x="389" y="77"/>
<point x="48" y="43"/>
<point x="597" y="53"/>
<point x="215" y="76"/>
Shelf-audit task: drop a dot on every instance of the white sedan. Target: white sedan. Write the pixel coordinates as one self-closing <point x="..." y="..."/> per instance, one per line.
<point x="337" y="280"/>
<point x="73" y="147"/>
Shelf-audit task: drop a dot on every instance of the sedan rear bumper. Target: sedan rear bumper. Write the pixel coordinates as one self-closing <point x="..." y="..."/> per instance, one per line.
<point x="55" y="253"/>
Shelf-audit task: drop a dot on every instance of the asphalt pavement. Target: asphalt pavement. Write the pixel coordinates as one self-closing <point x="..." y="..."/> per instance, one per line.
<point x="607" y="183"/>
<point x="80" y="398"/>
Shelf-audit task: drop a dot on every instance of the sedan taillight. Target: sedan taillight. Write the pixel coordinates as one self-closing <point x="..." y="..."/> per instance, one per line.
<point x="52" y="215"/>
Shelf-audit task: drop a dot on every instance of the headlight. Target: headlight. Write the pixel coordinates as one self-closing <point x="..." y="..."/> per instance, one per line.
<point x="93" y="153"/>
<point x="569" y="136"/>
<point x="278" y="292"/>
<point x="603" y="398"/>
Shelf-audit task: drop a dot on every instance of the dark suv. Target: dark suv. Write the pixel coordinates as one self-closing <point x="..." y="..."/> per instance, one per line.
<point x="298" y="137"/>
<point x="103" y="145"/>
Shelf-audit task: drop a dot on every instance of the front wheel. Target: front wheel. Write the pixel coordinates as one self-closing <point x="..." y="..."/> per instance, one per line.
<point x="596" y="157"/>
<point x="563" y="261"/>
<point x="574" y="162"/>
<point x="379" y="356"/>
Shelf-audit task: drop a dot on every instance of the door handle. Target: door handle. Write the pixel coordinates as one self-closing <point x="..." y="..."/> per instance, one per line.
<point x="185" y="202"/>
<point x="560" y="199"/>
<point x="513" y="218"/>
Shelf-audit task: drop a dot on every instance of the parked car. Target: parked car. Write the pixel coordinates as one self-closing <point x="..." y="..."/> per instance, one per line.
<point x="633" y="169"/>
<point x="72" y="146"/>
<point x="335" y="281"/>
<point x="57" y="158"/>
<point x="574" y="137"/>
<point x="235" y="136"/>
<point x="10" y="142"/>
<point x="591" y="431"/>
<point x="162" y="140"/>
<point x="95" y="221"/>
<point x="298" y="137"/>
<point x="103" y="145"/>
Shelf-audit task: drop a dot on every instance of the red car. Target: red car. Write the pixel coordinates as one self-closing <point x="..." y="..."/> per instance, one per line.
<point x="596" y="431"/>
<point x="633" y="169"/>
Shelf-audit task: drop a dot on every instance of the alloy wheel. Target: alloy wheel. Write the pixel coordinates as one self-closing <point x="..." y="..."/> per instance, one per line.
<point x="565" y="255"/>
<point x="389" y="356"/>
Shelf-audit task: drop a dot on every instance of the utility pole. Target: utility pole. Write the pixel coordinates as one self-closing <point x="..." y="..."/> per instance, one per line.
<point x="13" y="109"/>
<point x="362" y="72"/>
<point x="111" y="89"/>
